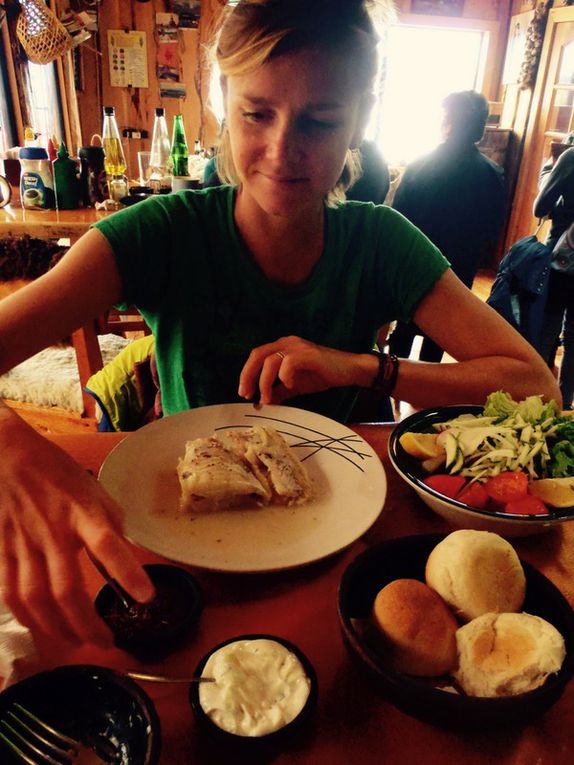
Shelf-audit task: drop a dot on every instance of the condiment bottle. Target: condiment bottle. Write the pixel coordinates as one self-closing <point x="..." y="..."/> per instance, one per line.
<point x="93" y="179"/>
<point x="65" y="180"/>
<point x="178" y="156"/>
<point x="160" y="178"/>
<point x="115" y="161"/>
<point x="52" y="149"/>
<point x="36" y="183"/>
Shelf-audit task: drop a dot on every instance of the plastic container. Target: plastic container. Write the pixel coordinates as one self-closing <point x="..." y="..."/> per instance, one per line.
<point x="36" y="182"/>
<point x="66" y="184"/>
<point x="93" y="179"/>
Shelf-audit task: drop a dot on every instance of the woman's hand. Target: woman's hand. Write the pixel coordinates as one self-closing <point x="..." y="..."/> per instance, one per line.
<point x="292" y="366"/>
<point x="50" y="508"/>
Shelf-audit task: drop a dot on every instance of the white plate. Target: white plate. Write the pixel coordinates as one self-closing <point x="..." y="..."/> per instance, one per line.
<point x="349" y="485"/>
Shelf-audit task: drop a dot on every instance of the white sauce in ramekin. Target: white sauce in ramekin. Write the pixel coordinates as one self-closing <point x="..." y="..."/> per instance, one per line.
<point x="260" y="686"/>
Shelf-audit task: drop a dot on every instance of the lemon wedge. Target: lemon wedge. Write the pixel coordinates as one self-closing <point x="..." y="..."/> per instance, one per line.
<point x="423" y="446"/>
<point x="556" y="492"/>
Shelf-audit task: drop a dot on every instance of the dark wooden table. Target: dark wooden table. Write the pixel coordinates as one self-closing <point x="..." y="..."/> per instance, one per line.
<point x="353" y="725"/>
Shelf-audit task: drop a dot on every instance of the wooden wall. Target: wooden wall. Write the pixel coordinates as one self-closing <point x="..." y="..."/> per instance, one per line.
<point x="135" y="106"/>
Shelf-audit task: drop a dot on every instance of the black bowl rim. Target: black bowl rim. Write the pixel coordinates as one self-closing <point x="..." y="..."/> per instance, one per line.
<point x="417" y="685"/>
<point x="115" y="677"/>
<point x="191" y="617"/>
<point x="280" y="732"/>
<point x="443" y="413"/>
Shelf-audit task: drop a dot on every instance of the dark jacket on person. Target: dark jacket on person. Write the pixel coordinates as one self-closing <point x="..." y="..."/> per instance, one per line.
<point x="556" y="196"/>
<point x="456" y="196"/>
<point x="373" y="185"/>
<point x="520" y="289"/>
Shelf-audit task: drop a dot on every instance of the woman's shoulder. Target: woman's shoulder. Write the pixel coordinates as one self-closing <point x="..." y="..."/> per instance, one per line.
<point x="351" y="214"/>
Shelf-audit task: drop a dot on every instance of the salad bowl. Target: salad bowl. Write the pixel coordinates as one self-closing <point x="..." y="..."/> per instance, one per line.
<point x="456" y="512"/>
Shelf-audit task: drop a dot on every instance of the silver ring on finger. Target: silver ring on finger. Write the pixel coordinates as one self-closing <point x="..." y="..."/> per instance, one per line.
<point x="280" y="354"/>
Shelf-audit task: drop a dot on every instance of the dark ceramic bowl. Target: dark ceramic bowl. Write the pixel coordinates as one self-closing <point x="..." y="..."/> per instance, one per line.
<point x="267" y="742"/>
<point x="406" y="558"/>
<point x="134" y="198"/>
<point x="103" y="709"/>
<point x="457" y="513"/>
<point x="154" y="628"/>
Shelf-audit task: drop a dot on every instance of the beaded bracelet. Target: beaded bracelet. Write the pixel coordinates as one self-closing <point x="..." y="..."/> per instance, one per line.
<point x="386" y="378"/>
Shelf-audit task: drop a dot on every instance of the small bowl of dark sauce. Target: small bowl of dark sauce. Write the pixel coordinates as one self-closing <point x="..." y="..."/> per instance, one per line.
<point x="157" y="627"/>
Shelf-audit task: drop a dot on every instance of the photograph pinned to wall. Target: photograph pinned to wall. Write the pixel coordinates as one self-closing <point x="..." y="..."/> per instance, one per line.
<point x="168" y="61"/>
<point x="188" y="11"/>
<point x="438" y="7"/>
<point x="169" y="89"/>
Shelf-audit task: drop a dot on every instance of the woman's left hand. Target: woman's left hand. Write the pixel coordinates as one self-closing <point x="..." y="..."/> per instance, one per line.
<point x="292" y="366"/>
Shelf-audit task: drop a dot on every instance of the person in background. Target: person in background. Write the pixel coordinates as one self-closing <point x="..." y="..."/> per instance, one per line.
<point x="456" y="196"/>
<point x="373" y="183"/>
<point x="268" y="289"/>
<point x="556" y="200"/>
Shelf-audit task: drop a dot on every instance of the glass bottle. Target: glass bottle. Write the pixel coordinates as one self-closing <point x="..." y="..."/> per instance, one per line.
<point x="66" y="184"/>
<point x="178" y="156"/>
<point x="115" y="162"/>
<point x="160" y="178"/>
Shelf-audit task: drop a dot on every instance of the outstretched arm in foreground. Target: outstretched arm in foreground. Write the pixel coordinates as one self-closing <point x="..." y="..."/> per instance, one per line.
<point x="50" y="507"/>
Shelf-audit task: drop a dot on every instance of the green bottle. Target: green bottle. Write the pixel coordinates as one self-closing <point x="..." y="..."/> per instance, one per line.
<point x="66" y="184"/>
<point x="178" y="155"/>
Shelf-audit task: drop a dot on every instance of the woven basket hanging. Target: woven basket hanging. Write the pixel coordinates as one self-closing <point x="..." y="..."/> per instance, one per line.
<point x="43" y="37"/>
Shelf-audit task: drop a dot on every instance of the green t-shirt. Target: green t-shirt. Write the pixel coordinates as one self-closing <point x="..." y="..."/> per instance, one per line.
<point x="184" y="265"/>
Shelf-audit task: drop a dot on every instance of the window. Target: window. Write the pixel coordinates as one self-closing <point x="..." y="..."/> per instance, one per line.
<point x="406" y="122"/>
<point x="7" y="127"/>
<point x="44" y="102"/>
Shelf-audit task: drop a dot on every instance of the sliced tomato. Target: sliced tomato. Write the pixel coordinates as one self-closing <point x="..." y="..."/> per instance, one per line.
<point x="508" y="486"/>
<point x="474" y="495"/>
<point x="528" y="505"/>
<point x="449" y="485"/>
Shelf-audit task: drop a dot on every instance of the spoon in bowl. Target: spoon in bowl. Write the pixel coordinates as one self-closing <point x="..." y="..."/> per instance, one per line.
<point x="125" y="598"/>
<point x="163" y="679"/>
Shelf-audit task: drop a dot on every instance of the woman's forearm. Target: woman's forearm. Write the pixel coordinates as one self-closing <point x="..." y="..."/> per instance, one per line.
<point x="469" y="382"/>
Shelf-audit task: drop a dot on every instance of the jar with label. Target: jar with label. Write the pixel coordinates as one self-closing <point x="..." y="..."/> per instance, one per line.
<point x="93" y="178"/>
<point x="36" y="183"/>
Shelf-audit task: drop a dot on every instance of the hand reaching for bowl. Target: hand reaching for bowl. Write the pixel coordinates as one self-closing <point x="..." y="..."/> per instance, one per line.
<point x="292" y="366"/>
<point x="50" y="508"/>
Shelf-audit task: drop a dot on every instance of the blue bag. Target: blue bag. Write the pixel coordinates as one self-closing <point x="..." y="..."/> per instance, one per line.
<point x="520" y="289"/>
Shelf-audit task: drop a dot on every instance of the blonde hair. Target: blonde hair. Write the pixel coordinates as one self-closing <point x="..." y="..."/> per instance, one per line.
<point x="255" y="31"/>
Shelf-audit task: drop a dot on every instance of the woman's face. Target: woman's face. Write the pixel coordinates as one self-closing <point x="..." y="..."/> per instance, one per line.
<point x="290" y="124"/>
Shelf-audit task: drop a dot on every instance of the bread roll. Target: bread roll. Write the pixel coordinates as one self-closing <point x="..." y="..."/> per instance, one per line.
<point x="476" y="572"/>
<point x="507" y="654"/>
<point x="417" y="628"/>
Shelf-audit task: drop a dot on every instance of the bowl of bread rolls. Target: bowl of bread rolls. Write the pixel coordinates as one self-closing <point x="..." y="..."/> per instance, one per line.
<point x="456" y="630"/>
<point x="506" y="467"/>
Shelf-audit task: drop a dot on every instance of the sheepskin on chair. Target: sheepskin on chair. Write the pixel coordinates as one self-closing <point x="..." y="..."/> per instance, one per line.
<point x="50" y="378"/>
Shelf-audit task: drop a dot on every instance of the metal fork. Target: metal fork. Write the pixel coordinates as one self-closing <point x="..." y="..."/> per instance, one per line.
<point x="36" y="743"/>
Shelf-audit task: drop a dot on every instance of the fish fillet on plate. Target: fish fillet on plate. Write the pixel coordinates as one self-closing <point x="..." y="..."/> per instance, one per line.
<point x="253" y="466"/>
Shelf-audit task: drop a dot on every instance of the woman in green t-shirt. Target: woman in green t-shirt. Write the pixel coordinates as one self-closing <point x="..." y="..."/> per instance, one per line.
<point x="297" y="79"/>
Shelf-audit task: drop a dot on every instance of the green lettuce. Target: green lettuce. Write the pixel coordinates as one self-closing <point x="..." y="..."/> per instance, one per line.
<point x="562" y="462"/>
<point x="499" y="405"/>
<point x="533" y="409"/>
<point x="562" y="450"/>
